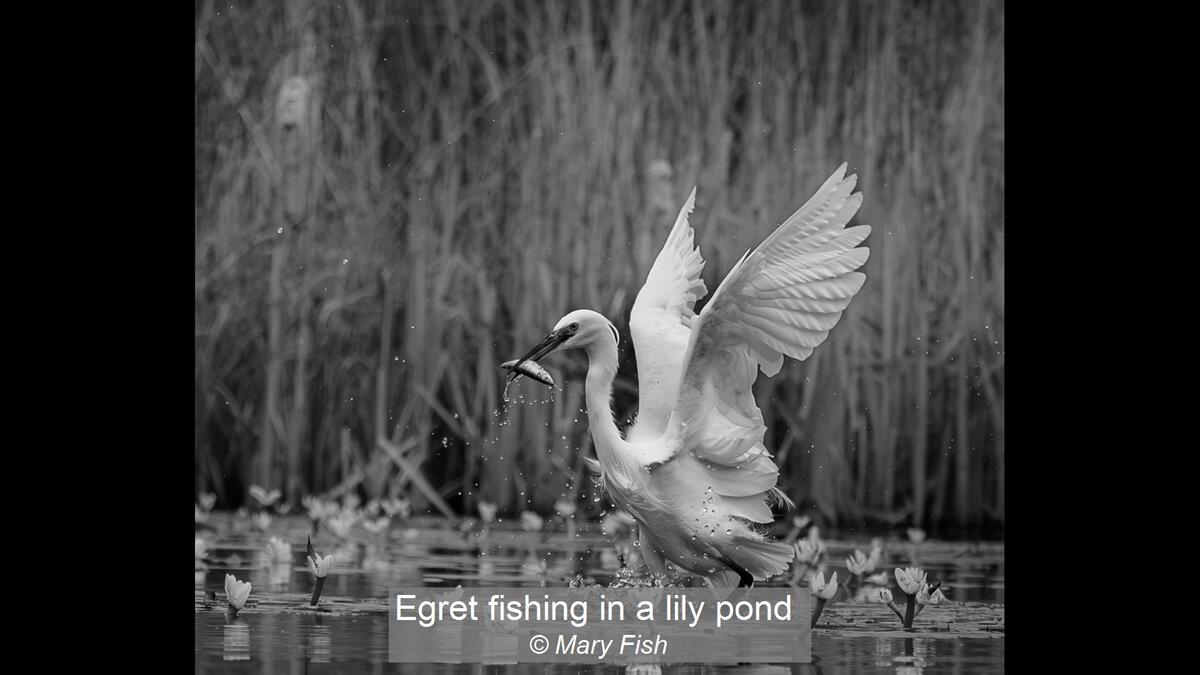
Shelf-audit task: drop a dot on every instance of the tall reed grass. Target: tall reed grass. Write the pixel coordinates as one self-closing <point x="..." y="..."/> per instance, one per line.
<point x="474" y="170"/>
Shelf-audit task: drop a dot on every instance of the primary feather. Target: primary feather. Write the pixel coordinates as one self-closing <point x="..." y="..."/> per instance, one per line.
<point x="661" y="324"/>
<point x="781" y="299"/>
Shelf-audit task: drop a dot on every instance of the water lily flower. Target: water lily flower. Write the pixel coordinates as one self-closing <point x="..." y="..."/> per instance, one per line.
<point x="201" y="548"/>
<point x="261" y="520"/>
<point x="879" y="579"/>
<point x="263" y="496"/>
<point x="808" y="551"/>
<point x="859" y="564"/>
<point x="236" y="593"/>
<point x="395" y="506"/>
<point x="883" y="596"/>
<point x="916" y="535"/>
<point x="531" y="522"/>
<point x="318" y="509"/>
<point x="930" y="595"/>
<point x="278" y="551"/>
<point x="320" y="566"/>
<point x="910" y="580"/>
<point x="823" y="589"/>
<point x="341" y="524"/>
<point x="207" y="501"/>
<point x="487" y="511"/>
<point x="378" y="525"/>
<point x="565" y="507"/>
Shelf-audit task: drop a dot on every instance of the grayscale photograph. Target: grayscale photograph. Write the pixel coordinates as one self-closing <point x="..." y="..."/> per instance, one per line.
<point x="624" y="336"/>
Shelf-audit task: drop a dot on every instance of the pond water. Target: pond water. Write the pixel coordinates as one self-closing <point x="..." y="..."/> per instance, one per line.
<point x="275" y="634"/>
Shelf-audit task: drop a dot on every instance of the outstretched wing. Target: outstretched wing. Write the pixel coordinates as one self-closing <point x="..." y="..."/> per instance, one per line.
<point x="780" y="300"/>
<point x="661" y="323"/>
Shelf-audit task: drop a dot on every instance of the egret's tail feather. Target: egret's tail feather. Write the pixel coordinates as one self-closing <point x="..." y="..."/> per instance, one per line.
<point x="763" y="559"/>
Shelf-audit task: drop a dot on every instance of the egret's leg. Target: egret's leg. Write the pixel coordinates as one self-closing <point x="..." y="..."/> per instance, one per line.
<point x="745" y="579"/>
<point x="654" y="560"/>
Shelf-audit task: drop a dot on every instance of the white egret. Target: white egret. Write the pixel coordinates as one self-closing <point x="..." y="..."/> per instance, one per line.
<point x="693" y="470"/>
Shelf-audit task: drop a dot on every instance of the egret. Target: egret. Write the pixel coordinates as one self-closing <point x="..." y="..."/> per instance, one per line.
<point x="692" y="469"/>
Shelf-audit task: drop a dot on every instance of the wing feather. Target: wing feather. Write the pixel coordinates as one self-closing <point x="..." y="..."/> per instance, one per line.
<point x="661" y="321"/>
<point x="781" y="299"/>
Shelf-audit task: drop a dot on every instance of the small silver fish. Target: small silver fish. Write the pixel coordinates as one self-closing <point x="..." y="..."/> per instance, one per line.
<point x="530" y="369"/>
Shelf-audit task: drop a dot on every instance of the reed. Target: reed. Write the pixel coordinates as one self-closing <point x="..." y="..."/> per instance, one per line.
<point x="480" y="168"/>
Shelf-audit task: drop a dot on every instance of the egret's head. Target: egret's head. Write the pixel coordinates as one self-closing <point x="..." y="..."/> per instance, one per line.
<point x="577" y="330"/>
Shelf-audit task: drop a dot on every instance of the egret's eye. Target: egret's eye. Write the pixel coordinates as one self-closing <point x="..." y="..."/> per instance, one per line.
<point x="573" y="327"/>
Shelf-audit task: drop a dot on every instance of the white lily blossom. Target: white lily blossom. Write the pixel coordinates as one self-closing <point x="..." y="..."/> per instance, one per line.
<point x="396" y="506"/>
<point x="207" y="500"/>
<point x="236" y="591"/>
<point x="341" y="524"/>
<point x="487" y="511"/>
<point x="858" y="563"/>
<point x="263" y="496"/>
<point x="378" y="525"/>
<point x="531" y="522"/>
<point x="881" y="595"/>
<point x="824" y="589"/>
<point x="278" y="551"/>
<point x="910" y="580"/>
<point x="807" y="550"/>
<point x="319" y="509"/>
<point x="320" y="566"/>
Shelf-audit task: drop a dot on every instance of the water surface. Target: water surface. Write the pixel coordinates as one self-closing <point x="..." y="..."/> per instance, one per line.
<point x="276" y="633"/>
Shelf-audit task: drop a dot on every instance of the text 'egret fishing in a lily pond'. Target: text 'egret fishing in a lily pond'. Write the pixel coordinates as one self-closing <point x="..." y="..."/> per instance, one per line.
<point x="624" y="335"/>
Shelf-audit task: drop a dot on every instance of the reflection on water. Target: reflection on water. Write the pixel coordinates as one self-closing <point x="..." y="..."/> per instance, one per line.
<point x="272" y="634"/>
<point x="320" y="642"/>
<point x="235" y="641"/>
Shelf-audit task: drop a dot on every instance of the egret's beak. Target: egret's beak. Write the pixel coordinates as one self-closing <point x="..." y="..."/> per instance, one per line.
<point x="547" y="345"/>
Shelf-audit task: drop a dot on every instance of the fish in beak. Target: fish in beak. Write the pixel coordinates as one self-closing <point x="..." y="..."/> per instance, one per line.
<point x="529" y="368"/>
<point x="527" y="365"/>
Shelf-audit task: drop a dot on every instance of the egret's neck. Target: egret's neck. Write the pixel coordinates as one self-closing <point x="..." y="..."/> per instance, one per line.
<point x="602" y="369"/>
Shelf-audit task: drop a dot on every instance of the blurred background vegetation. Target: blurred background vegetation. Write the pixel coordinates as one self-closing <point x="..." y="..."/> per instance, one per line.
<point x="394" y="197"/>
